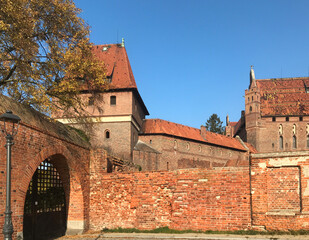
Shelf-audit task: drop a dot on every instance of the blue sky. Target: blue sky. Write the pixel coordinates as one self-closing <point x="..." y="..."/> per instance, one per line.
<point x="192" y="58"/>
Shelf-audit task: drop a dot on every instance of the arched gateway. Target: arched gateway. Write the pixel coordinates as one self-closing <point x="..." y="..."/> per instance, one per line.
<point x="45" y="205"/>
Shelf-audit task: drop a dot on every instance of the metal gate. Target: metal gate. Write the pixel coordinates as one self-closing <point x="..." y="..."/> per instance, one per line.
<point x="45" y="208"/>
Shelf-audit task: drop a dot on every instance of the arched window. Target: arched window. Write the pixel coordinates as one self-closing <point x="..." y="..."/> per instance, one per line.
<point x="188" y="146"/>
<point x="294" y="129"/>
<point x="294" y="142"/>
<point x="281" y="142"/>
<point x="307" y="141"/>
<point x="175" y="144"/>
<point x="107" y="134"/>
<point x="250" y="108"/>
<point x="280" y="129"/>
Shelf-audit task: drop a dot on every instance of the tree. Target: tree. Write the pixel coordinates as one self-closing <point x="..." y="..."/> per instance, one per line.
<point x="45" y="54"/>
<point x="214" y="124"/>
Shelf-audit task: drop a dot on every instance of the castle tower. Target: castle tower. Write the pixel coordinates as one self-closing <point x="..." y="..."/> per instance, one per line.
<point x="116" y="114"/>
<point x="252" y="111"/>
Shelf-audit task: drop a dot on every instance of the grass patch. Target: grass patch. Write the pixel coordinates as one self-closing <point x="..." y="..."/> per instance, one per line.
<point x="173" y="231"/>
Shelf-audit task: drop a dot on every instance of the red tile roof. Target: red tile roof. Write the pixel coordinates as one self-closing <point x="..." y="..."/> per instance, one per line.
<point x="284" y="96"/>
<point x="117" y="65"/>
<point x="158" y="126"/>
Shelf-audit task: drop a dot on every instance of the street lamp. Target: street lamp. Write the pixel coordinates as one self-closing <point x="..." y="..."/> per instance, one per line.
<point x="10" y="128"/>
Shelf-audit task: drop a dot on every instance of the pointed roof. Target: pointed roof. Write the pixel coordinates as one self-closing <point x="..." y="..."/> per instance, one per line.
<point x="284" y="96"/>
<point x="162" y="127"/>
<point x="252" y="78"/>
<point x="118" y="68"/>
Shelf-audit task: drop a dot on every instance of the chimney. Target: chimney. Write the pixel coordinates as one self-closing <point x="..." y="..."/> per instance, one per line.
<point x="122" y="42"/>
<point x="203" y="132"/>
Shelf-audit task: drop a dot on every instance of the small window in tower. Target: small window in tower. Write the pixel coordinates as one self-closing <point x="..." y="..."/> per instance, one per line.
<point x="252" y="98"/>
<point x="167" y="166"/>
<point x="281" y="142"/>
<point x="91" y="101"/>
<point x="248" y="99"/>
<point x="300" y="118"/>
<point x="294" y="142"/>
<point x="250" y="108"/>
<point x="274" y="119"/>
<point x="150" y="141"/>
<point x="175" y="144"/>
<point x="307" y="141"/>
<point x="107" y="134"/>
<point x="188" y="146"/>
<point x="113" y="100"/>
<point x="287" y="119"/>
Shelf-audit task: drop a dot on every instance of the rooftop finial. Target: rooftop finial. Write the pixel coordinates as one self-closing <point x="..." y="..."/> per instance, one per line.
<point x="252" y="77"/>
<point x="122" y="42"/>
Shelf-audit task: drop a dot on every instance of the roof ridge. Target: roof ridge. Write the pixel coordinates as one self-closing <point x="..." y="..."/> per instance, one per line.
<point x="288" y="78"/>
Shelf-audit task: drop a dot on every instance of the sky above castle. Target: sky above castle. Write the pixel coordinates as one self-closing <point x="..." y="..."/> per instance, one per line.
<point x="192" y="58"/>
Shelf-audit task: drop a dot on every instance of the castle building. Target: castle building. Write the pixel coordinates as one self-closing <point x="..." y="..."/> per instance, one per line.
<point x="276" y="116"/>
<point x="152" y="144"/>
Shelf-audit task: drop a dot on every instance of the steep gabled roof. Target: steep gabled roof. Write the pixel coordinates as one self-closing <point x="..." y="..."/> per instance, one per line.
<point x="117" y="65"/>
<point x="284" y="96"/>
<point x="162" y="127"/>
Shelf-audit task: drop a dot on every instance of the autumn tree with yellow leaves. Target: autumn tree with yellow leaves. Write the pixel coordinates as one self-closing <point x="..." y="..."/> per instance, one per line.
<point x="45" y="54"/>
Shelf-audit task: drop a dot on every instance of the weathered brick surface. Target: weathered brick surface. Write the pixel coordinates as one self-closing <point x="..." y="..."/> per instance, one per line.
<point x="198" y="199"/>
<point x="280" y="192"/>
<point x="32" y="146"/>
<point x="179" y="153"/>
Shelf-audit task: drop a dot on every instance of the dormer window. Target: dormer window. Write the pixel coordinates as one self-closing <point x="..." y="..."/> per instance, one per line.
<point x="113" y="100"/>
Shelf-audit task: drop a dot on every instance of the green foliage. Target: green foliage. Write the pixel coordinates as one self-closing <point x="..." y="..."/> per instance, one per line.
<point x="81" y="133"/>
<point x="214" y="124"/>
<point x="173" y="231"/>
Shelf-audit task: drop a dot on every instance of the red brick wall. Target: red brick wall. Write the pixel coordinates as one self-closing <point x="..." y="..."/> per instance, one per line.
<point x="280" y="191"/>
<point x="197" y="199"/>
<point x="188" y="154"/>
<point x="32" y="146"/>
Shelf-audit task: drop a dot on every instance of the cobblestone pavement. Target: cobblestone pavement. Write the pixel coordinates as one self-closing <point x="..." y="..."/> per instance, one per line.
<point x="142" y="236"/>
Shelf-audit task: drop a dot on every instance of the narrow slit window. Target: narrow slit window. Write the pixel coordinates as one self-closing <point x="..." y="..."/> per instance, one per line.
<point x="294" y="142"/>
<point x="281" y="142"/>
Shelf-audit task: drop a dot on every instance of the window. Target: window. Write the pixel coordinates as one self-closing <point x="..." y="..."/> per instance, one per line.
<point x="280" y="129"/>
<point x="175" y="144"/>
<point x="188" y="146"/>
<point x="113" y="100"/>
<point x="281" y="142"/>
<point x="167" y="166"/>
<point x="150" y="141"/>
<point x="287" y="119"/>
<point x="250" y="108"/>
<point x="91" y="101"/>
<point x="107" y="134"/>
<point x="307" y="141"/>
<point x="274" y="119"/>
<point x="294" y="142"/>
<point x="300" y="119"/>
<point x="294" y="129"/>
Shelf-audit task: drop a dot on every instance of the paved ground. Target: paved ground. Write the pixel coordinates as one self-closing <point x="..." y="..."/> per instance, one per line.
<point x="146" y="236"/>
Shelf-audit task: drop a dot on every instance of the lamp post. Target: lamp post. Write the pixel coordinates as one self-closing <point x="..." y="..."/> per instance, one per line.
<point x="9" y="131"/>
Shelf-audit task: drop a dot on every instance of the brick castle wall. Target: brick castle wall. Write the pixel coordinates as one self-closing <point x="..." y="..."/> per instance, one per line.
<point x="196" y="199"/>
<point x="31" y="147"/>
<point x="280" y="191"/>
<point x="179" y="153"/>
